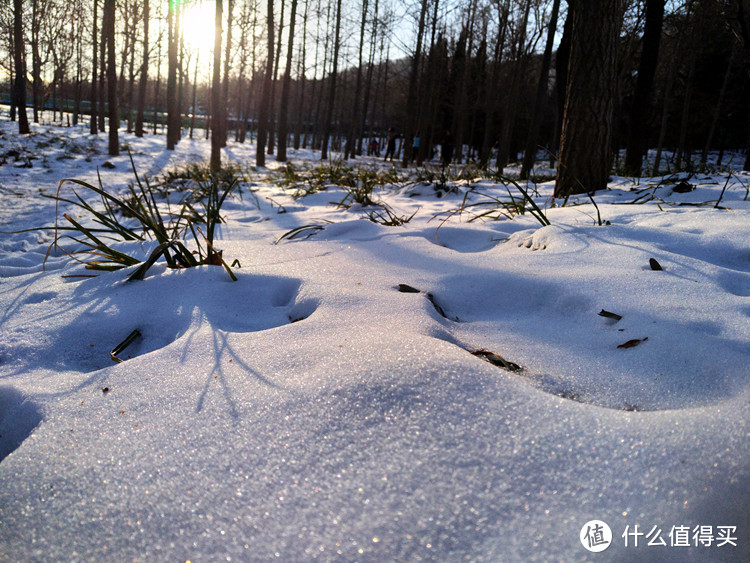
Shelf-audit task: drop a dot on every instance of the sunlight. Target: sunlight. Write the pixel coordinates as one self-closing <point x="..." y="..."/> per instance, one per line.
<point x="198" y="29"/>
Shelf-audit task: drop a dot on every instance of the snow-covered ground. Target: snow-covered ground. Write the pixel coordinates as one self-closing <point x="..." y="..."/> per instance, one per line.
<point x="318" y="408"/>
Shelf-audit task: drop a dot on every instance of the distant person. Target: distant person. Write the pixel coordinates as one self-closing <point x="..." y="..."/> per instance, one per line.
<point x="374" y="149"/>
<point x="390" y="150"/>
<point x="446" y="148"/>
<point x="415" y="149"/>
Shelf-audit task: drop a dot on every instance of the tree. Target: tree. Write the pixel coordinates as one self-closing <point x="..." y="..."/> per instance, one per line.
<point x="260" y="152"/>
<point x="637" y="139"/>
<point x="173" y="110"/>
<point x="285" y="89"/>
<point x="144" y="74"/>
<point x="529" y="153"/>
<point x="216" y="91"/>
<point x="411" y="104"/>
<point x="108" y="35"/>
<point x="586" y="140"/>
<point x="93" y="127"/>
<point x="19" y="87"/>
<point x="328" y="122"/>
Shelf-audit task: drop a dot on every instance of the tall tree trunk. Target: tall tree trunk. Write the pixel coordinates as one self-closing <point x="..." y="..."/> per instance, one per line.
<point x="93" y="127"/>
<point x="216" y="93"/>
<point x="637" y="136"/>
<point x="586" y="143"/>
<point x="19" y="87"/>
<point x="144" y="74"/>
<point x="225" y="83"/>
<point x="36" y="63"/>
<point x="195" y="97"/>
<point x="412" y="111"/>
<point x="173" y="120"/>
<point x="181" y="71"/>
<point x="718" y="109"/>
<point x="286" y="87"/>
<point x="76" y="33"/>
<point x="368" y="82"/>
<point x="277" y="59"/>
<point x="351" y="150"/>
<point x="260" y="152"/>
<point x="327" y="124"/>
<point x="102" y="74"/>
<point x="529" y="154"/>
<point x="108" y="30"/>
<point x="157" y="87"/>
<point x="299" y="123"/>
<point x="509" y="115"/>
<point x="492" y="108"/>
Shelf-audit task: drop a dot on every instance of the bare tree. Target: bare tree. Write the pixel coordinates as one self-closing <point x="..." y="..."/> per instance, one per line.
<point x="586" y="142"/>
<point x="19" y="87"/>
<point x="637" y="141"/>
<point x="108" y="35"/>
<point x="216" y="91"/>
<point x="285" y="89"/>
<point x="260" y="152"/>
<point x="328" y="122"/>
<point x="93" y="128"/>
<point x="541" y="89"/>
<point x="144" y="74"/>
<point x="173" y="110"/>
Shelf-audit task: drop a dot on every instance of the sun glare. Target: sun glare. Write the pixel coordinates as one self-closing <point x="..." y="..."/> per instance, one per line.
<point x="198" y="30"/>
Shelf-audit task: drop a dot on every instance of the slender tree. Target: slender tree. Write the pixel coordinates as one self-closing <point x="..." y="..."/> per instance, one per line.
<point x="93" y="128"/>
<point x="328" y="123"/>
<point x="637" y="138"/>
<point x="529" y="153"/>
<point x="173" y="118"/>
<point x="412" y="110"/>
<point x="19" y="87"/>
<point x="586" y="143"/>
<point x="216" y="93"/>
<point x="227" y="68"/>
<point x="144" y="74"/>
<point x="286" y="87"/>
<point x="108" y="32"/>
<point x="260" y="152"/>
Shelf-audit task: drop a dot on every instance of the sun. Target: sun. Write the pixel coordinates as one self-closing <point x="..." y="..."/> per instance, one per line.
<point x="198" y="30"/>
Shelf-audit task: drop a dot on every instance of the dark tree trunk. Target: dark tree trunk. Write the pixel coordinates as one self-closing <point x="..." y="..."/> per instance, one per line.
<point x="144" y="75"/>
<point x="328" y="122"/>
<point x="102" y="73"/>
<point x="216" y="94"/>
<point x="225" y="84"/>
<point x="93" y="127"/>
<point x="718" y="109"/>
<point x="509" y="115"/>
<point x="173" y="120"/>
<point x="272" y="109"/>
<point x="108" y="32"/>
<point x="260" y="152"/>
<point x="637" y="136"/>
<point x="529" y="153"/>
<point x="36" y="63"/>
<point x="286" y="86"/>
<point x="19" y="87"/>
<point x="412" y="112"/>
<point x="586" y="143"/>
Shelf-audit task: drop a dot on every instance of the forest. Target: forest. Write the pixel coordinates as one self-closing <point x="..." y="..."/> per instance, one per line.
<point x="497" y="77"/>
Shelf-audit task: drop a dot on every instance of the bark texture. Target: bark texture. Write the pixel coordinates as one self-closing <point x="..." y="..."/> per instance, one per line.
<point x="586" y="140"/>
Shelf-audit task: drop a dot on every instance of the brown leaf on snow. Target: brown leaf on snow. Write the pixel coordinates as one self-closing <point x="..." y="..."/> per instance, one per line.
<point x="633" y="343"/>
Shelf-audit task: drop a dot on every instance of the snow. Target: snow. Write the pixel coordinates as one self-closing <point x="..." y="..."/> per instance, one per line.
<point x="311" y="410"/>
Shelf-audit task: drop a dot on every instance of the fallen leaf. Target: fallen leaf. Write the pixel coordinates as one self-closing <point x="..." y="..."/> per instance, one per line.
<point x="610" y="315"/>
<point x="633" y="343"/>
